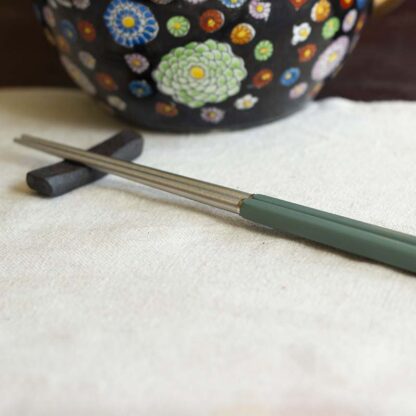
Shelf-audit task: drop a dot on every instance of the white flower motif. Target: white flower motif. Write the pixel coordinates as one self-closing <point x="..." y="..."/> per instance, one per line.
<point x="301" y="33"/>
<point x="53" y="4"/>
<point x="349" y="20"/>
<point x="64" y="3"/>
<point x="49" y="16"/>
<point x="87" y="60"/>
<point x="246" y="102"/>
<point x="298" y="90"/>
<point x="116" y="102"/>
<point x="78" y="76"/>
<point x="82" y="4"/>
<point x="260" y="9"/>
<point x="330" y="59"/>
<point x="137" y="63"/>
<point x="79" y="4"/>
<point x="212" y="114"/>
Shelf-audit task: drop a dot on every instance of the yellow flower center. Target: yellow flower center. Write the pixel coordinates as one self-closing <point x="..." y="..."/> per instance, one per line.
<point x="333" y="57"/>
<point x="211" y="23"/>
<point x="129" y="22"/>
<point x="260" y="8"/>
<point x="177" y="25"/>
<point x="197" y="72"/>
<point x="304" y="32"/>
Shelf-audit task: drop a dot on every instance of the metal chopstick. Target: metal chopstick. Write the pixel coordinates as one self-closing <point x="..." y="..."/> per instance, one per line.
<point x="205" y="192"/>
<point x="355" y="237"/>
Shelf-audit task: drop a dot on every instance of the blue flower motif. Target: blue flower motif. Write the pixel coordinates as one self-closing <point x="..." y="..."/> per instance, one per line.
<point x="362" y="4"/>
<point x="233" y="4"/>
<point x="140" y="88"/>
<point x="290" y="77"/>
<point x="130" y="23"/>
<point x="68" y="30"/>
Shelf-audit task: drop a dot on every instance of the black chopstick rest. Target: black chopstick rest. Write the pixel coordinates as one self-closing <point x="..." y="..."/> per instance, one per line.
<point x="60" y="178"/>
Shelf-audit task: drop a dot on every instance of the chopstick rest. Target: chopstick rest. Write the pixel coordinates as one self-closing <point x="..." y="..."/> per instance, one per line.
<point x="63" y="177"/>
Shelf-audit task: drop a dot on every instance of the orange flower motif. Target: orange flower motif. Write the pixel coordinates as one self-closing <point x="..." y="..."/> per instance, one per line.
<point x="316" y="89"/>
<point x="166" y="109"/>
<point x="211" y="20"/>
<point x="321" y="11"/>
<point x="62" y="44"/>
<point x="106" y="81"/>
<point x="242" y="34"/>
<point x="262" y="78"/>
<point x="360" y="23"/>
<point x="306" y="53"/>
<point x="87" y="30"/>
<point x="49" y="36"/>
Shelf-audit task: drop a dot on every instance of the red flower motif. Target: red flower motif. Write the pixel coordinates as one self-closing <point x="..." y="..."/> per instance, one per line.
<point x="262" y="78"/>
<point x="346" y="4"/>
<point x="211" y="20"/>
<point x="87" y="30"/>
<point x="306" y="53"/>
<point x="166" y="109"/>
<point x="297" y="4"/>
<point x="106" y="81"/>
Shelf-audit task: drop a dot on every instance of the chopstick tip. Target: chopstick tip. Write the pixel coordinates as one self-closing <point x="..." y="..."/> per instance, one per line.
<point x="22" y="138"/>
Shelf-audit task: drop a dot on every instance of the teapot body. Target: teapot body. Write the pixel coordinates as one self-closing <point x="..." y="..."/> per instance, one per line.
<point x="198" y="65"/>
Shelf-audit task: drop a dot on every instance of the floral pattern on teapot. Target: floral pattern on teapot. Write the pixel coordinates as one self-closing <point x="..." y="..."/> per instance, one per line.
<point x="201" y="74"/>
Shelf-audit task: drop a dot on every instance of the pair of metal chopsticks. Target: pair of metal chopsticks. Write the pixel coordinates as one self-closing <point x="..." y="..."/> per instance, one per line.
<point x="376" y="243"/>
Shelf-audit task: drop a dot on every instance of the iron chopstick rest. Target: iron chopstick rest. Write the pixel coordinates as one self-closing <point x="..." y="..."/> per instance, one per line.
<point x="376" y="243"/>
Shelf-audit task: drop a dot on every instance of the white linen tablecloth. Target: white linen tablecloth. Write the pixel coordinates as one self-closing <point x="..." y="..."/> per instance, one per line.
<point x="117" y="299"/>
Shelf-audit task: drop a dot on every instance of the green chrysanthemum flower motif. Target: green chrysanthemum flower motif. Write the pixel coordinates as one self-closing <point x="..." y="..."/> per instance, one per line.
<point x="263" y="50"/>
<point x="200" y="73"/>
<point x="331" y="27"/>
<point x="178" y="26"/>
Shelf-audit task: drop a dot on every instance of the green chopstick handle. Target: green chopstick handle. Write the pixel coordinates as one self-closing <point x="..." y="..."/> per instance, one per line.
<point x="376" y="243"/>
